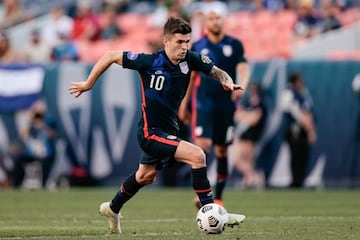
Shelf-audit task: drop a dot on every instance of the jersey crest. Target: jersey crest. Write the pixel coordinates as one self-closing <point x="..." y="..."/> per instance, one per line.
<point x="227" y="50"/>
<point x="205" y="59"/>
<point x="184" y="68"/>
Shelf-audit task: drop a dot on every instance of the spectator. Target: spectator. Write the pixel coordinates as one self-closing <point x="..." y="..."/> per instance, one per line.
<point x="109" y="26"/>
<point x="250" y="117"/>
<point x="37" y="51"/>
<point x="308" y="23"/>
<point x="274" y="5"/>
<point x="300" y="130"/>
<point x="13" y="13"/>
<point x="86" y="24"/>
<point x="258" y="6"/>
<point x="7" y="54"/>
<point x="4" y="180"/>
<point x="58" y="22"/>
<point x="39" y="144"/>
<point x="66" y="50"/>
<point x="329" y="12"/>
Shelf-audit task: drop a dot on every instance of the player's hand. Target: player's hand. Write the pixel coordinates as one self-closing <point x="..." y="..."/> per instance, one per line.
<point x="230" y="86"/>
<point x="236" y="95"/>
<point x="77" y="88"/>
<point x="184" y="115"/>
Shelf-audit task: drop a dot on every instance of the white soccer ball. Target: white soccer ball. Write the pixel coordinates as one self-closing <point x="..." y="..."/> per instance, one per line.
<point x="356" y="84"/>
<point x="212" y="218"/>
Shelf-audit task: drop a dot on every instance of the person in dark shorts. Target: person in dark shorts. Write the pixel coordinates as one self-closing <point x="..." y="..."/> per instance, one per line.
<point x="165" y="77"/>
<point x="213" y="110"/>
<point x="250" y="118"/>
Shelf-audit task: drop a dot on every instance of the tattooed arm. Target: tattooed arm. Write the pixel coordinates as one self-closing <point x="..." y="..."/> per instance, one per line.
<point x="224" y="78"/>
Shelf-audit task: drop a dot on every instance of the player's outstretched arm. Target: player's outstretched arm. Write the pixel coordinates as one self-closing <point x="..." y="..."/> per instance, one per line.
<point x="77" y="88"/>
<point x="224" y="78"/>
<point x="243" y="77"/>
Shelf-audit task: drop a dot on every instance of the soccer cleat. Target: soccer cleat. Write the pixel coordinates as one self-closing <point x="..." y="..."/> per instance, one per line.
<point x="113" y="218"/>
<point x="235" y="219"/>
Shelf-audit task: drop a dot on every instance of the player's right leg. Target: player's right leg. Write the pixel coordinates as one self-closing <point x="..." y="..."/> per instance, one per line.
<point x="204" y="143"/>
<point x="111" y="210"/>
<point x="113" y="218"/>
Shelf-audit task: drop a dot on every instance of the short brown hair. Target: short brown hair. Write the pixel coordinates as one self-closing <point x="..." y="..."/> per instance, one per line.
<point x="176" y="25"/>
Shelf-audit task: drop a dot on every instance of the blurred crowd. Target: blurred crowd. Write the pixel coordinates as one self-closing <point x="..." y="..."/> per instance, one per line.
<point x="99" y="20"/>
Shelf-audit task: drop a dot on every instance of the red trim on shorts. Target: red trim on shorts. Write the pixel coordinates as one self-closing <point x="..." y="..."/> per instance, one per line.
<point x="164" y="140"/>
<point x="203" y="190"/>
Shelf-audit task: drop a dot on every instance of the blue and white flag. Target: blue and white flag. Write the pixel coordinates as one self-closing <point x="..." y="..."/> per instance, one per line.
<point x="20" y="86"/>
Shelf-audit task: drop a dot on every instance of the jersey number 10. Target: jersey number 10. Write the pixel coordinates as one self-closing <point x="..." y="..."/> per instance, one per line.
<point x="157" y="82"/>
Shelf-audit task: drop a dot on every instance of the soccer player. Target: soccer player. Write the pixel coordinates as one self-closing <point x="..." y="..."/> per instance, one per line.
<point x="213" y="110"/>
<point x="165" y="76"/>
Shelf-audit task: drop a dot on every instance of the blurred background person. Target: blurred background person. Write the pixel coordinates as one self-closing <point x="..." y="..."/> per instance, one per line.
<point x="330" y="10"/>
<point x="308" y="22"/>
<point x="108" y="23"/>
<point x="38" y="140"/>
<point x="65" y="50"/>
<point x="12" y="13"/>
<point x="37" y="51"/>
<point x="4" y="175"/>
<point x="250" y="118"/>
<point x="300" y="131"/>
<point x="58" y="22"/>
<point x="7" y="54"/>
<point x="86" y="23"/>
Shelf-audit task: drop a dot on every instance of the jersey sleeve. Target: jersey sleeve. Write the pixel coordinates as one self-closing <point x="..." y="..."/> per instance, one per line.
<point x="136" y="61"/>
<point x="200" y="62"/>
<point x="240" y="52"/>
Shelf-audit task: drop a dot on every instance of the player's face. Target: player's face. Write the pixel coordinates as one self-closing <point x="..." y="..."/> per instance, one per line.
<point x="214" y="23"/>
<point x="176" y="45"/>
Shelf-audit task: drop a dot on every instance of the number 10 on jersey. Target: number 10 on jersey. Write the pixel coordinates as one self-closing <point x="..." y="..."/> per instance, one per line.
<point x="157" y="82"/>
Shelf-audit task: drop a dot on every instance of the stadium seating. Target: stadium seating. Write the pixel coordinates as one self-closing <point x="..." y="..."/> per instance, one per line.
<point x="264" y="34"/>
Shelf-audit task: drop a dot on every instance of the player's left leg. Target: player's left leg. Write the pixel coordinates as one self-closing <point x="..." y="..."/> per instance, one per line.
<point x="222" y="172"/>
<point x="222" y="137"/>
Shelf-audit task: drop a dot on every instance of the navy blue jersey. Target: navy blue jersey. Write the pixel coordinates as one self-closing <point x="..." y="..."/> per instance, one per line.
<point x="226" y="54"/>
<point x="163" y="86"/>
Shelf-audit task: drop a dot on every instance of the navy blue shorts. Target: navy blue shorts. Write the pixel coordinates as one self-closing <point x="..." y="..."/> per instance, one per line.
<point x="158" y="148"/>
<point x="217" y="126"/>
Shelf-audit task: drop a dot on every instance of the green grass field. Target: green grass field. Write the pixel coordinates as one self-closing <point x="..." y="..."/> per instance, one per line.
<point x="169" y="214"/>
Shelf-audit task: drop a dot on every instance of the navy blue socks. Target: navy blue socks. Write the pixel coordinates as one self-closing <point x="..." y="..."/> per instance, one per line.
<point x="128" y="189"/>
<point x="201" y="185"/>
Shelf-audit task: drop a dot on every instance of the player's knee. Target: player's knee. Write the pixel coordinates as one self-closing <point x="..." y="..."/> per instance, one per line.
<point x="199" y="159"/>
<point x="146" y="178"/>
<point x="220" y="151"/>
